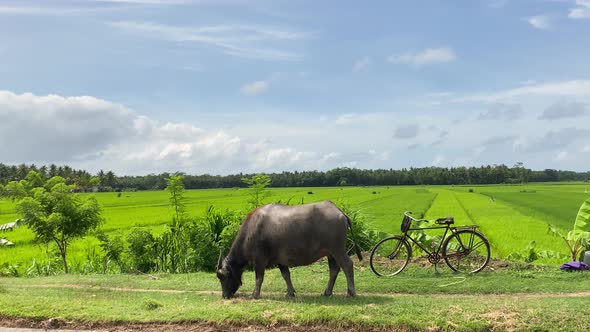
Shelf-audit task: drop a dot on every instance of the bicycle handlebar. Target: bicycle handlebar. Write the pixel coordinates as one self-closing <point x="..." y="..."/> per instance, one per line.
<point x="408" y="214"/>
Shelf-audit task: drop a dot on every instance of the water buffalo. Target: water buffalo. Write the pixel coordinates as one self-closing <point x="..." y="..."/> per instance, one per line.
<point x="288" y="236"/>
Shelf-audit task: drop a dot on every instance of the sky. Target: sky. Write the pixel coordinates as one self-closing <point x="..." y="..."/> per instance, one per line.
<point x="230" y="86"/>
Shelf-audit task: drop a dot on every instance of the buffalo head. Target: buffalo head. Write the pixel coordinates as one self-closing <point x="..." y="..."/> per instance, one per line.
<point x="230" y="278"/>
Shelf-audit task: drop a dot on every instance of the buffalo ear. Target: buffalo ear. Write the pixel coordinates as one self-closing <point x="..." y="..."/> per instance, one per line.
<point x="221" y="274"/>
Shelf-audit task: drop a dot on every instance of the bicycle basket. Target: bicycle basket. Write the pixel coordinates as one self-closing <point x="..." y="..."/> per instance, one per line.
<point x="406" y="222"/>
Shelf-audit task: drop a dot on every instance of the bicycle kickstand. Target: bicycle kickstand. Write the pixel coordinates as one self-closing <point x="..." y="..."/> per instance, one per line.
<point x="436" y="272"/>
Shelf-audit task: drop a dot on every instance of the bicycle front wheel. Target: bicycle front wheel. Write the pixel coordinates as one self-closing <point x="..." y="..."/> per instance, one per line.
<point x="390" y="256"/>
<point x="466" y="251"/>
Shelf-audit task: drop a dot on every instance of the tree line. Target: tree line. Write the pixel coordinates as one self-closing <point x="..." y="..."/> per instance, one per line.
<point x="343" y="176"/>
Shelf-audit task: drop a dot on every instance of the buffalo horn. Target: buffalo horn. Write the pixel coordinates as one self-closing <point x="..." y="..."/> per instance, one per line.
<point x="220" y="260"/>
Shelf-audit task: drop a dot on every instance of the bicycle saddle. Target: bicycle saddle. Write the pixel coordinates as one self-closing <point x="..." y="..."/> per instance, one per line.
<point x="445" y="220"/>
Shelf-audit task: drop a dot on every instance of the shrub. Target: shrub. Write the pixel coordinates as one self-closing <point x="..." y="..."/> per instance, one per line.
<point x="113" y="249"/>
<point x="141" y="249"/>
<point x="360" y="234"/>
<point x="578" y="239"/>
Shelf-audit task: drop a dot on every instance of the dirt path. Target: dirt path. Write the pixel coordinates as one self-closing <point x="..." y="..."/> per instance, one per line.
<point x="207" y="292"/>
<point x="55" y="325"/>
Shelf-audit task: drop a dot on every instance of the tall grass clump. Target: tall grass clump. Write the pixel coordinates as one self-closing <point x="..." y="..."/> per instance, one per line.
<point x="361" y="233"/>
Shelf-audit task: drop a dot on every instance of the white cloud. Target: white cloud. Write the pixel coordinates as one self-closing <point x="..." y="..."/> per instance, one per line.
<point x="45" y="11"/>
<point x="246" y="41"/>
<point x="542" y="22"/>
<point x="499" y="111"/>
<point x="354" y="118"/>
<point x="428" y="56"/>
<point x="552" y="140"/>
<point x="438" y="160"/>
<point x="91" y="133"/>
<point x="60" y="128"/>
<point x="527" y="82"/>
<point x="562" y="155"/>
<point x="406" y="131"/>
<point x="361" y="64"/>
<point x="581" y="11"/>
<point x="561" y="110"/>
<point x="254" y="88"/>
<point x="554" y="89"/>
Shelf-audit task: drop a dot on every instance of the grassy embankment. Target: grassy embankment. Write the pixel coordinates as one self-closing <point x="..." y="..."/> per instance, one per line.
<point x="535" y="299"/>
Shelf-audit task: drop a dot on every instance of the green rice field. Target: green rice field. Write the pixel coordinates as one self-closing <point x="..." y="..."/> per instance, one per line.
<point x="510" y="216"/>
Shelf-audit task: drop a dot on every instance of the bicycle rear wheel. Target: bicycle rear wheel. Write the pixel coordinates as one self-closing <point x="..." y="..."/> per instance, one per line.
<point x="390" y="256"/>
<point x="466" y="251"/>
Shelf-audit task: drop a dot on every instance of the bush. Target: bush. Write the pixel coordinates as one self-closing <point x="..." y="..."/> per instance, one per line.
<point x="113" y="249"/>
<point x="361" y="234"/>
<point x="141" y="249"/>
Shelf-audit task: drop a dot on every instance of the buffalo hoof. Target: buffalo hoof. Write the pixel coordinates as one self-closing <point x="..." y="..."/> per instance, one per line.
<point x="327" y="293"/>
<point x="351" y="294"/>
<point x="290" y="294"/>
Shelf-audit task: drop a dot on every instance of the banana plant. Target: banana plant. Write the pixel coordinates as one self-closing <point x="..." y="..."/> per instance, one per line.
<point x="578" y="239"/>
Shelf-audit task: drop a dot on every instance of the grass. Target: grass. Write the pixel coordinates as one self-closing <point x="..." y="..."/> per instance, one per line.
<point x="535" y="298"/>
<point x="507" y="229"/>
<point x="511" y="222"/>
<point x="555" y="207"/>
<point x="532" y="297"/>
<point x="151" y="209"/>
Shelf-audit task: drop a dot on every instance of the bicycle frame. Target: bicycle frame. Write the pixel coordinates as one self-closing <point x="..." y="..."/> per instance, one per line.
<point x="430" y="254"/>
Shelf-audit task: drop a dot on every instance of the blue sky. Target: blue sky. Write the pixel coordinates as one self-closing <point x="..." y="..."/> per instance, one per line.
<point x="226" y="86"/>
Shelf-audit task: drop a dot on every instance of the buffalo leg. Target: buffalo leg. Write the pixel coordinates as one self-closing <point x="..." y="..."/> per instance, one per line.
<point x="287" y="276"/>
<point x="346" y="265"/>
<point x="334" y="269"/>
<point x="259" y="270"/>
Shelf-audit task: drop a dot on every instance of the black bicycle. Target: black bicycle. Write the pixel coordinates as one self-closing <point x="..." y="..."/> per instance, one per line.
<point x="465" y="249"/>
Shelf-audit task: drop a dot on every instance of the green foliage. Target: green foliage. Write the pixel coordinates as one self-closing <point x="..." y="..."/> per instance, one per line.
<point x="582" y="223"/>
<point x="223" y="226"/>
<point x="578" y="239"/>
<point x="43" y="268"/>
<point x="175" y="187"/>
<point x="531" y="254"/>
<point x="360" y="234"/>
<point x="53" y="213"/>
<point x="191" y="246"/>
<point x="510" y="224"/>
<point x="141" y="249"/>
<point x="257" y="191"/>
<point x="15" y="190"/>
<point x="113" y="248"/>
